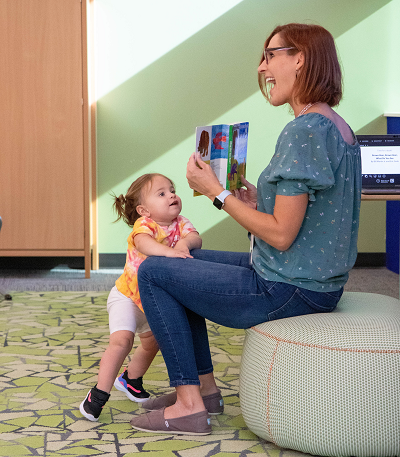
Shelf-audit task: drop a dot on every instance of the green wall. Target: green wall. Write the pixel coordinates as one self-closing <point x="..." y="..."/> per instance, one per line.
<point x="148" y="107"/>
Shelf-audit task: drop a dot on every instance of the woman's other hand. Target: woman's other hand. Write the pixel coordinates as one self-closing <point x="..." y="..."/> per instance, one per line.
<point x="249" y="195"/>
<point x="202" y="178"/>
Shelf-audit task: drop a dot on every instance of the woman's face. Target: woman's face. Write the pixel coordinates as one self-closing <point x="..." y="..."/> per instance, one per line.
<point x="280" y="72"/>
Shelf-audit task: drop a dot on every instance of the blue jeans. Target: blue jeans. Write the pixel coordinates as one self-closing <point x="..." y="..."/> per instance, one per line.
<point x="179" y="294"/>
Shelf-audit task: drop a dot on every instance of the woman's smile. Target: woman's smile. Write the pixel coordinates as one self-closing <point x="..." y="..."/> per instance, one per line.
<point x="271" y="82"/>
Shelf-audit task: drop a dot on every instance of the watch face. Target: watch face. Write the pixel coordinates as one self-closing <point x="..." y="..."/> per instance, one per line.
<point x="217" y="203"/>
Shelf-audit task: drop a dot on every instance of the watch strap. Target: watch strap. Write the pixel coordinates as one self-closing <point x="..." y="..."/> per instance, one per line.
<point x="219" y="200"/>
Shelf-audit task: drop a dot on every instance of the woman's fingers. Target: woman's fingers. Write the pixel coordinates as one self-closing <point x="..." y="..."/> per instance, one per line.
<point x="247" y="183"/>
<point x="199" y="160"/>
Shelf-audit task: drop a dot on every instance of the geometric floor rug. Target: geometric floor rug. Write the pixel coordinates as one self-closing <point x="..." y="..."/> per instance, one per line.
<point x="50" y="348"/>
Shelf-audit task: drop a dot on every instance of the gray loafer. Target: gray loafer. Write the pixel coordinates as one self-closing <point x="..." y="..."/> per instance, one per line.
<point x="155" y="422"/>
<point x="214" y="403"/>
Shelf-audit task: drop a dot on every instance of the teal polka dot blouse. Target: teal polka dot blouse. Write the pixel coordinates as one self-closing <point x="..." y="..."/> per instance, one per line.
<point x="312" y="157"/>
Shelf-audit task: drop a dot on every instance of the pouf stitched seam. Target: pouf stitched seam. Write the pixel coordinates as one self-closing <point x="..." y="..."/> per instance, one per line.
<point x="331" y="348"/>
<point x="268" y="391"/>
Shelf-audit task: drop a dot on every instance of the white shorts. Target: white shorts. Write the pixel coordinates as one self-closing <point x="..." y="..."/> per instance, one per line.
<point x="123" y="314"/>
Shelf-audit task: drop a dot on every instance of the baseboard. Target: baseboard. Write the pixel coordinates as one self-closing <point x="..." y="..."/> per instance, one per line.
<point x="112" y="260"/>
<point x="371" y="259"/>
<point x="364" y="259"/>
<point x="40" y="263"/>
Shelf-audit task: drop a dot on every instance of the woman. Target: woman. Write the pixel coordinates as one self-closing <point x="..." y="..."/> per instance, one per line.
<point x="304" y="216"/>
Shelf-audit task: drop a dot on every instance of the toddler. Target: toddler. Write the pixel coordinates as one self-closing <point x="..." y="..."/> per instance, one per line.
<point x="152" y="207"/>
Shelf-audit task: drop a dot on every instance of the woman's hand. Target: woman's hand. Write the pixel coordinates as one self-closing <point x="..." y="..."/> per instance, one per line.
<point x="249" y="195"/>
<point x="202" y="178"/>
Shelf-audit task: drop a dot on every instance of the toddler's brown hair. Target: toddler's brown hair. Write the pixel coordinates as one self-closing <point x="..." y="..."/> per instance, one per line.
<point x="125" y="205"/>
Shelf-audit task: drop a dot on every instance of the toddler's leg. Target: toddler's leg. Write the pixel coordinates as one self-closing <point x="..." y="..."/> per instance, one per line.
<point x="143" y="355"/>
<point x="119" y="347"/>
<point x="131" y="380"/>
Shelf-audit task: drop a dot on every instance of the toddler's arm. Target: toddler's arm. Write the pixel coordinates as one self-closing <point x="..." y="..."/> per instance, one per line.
<point x="147" y="245"/>
<point x="191" y="241"/>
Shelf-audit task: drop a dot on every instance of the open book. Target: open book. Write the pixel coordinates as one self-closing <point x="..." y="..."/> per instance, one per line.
<point x="224" y="147"/>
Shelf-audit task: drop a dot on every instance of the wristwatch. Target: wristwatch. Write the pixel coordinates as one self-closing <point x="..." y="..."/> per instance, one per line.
<point x="219" y="200"/>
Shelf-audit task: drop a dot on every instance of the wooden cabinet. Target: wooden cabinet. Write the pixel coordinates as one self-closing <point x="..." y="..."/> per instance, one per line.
<point x="44" y="144"/>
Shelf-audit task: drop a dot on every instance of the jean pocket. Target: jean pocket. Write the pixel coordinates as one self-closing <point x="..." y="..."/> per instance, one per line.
<point x="294" y="305"/>
<point x="302" y="301"/>
<point x="322" y="302"/>
<point x="278" y="291"/>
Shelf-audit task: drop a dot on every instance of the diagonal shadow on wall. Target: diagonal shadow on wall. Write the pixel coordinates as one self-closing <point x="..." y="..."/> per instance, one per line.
<point x="204" y="77"/>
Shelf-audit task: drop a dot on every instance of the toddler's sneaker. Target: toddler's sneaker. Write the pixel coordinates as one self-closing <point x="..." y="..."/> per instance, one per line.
<point x="93" y="404"/>
<point x="133" y="388"/>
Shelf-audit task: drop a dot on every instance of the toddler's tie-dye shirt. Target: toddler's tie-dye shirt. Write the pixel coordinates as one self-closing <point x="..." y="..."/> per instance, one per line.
<point x="312" y="157"/>
<point x="127" y="283"/>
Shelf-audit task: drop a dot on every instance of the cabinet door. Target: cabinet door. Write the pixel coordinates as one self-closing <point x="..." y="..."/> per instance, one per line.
<point x="41" y="125"/>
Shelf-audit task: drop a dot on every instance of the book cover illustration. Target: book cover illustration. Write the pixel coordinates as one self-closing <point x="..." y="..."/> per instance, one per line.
<point x="224" y="147"/>
<point x="238" y="155"/>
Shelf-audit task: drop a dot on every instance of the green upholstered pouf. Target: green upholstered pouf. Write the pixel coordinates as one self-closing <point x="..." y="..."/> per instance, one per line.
<point x="327" y="384"/>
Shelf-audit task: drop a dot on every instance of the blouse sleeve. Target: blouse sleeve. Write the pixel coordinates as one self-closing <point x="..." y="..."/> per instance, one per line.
<point x="301" y="163"/>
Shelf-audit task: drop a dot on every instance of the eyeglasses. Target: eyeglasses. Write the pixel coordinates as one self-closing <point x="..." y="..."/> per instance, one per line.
<point x="268" y="51"/>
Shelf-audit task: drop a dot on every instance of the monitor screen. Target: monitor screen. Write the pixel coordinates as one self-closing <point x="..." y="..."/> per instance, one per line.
<point x="380" y="161"/>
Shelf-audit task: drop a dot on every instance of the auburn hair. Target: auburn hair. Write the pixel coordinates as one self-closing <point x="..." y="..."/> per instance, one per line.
<point x="320" y="77"/>
<point x="125" y="205"/>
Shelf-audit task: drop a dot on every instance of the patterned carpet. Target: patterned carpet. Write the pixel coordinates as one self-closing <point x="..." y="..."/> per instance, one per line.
<point x="51" y="345"/>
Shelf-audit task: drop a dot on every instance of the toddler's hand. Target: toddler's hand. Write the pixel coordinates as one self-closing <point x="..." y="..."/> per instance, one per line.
<point x="178" y="253"/>
<point x="181" y="248"/>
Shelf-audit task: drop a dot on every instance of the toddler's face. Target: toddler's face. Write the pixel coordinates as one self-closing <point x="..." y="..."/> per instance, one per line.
<point x="160" y="201"/>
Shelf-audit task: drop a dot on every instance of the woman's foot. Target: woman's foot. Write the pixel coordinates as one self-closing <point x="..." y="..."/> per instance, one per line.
<point x="156" y="422"/>
<point x="214" y="403"/>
